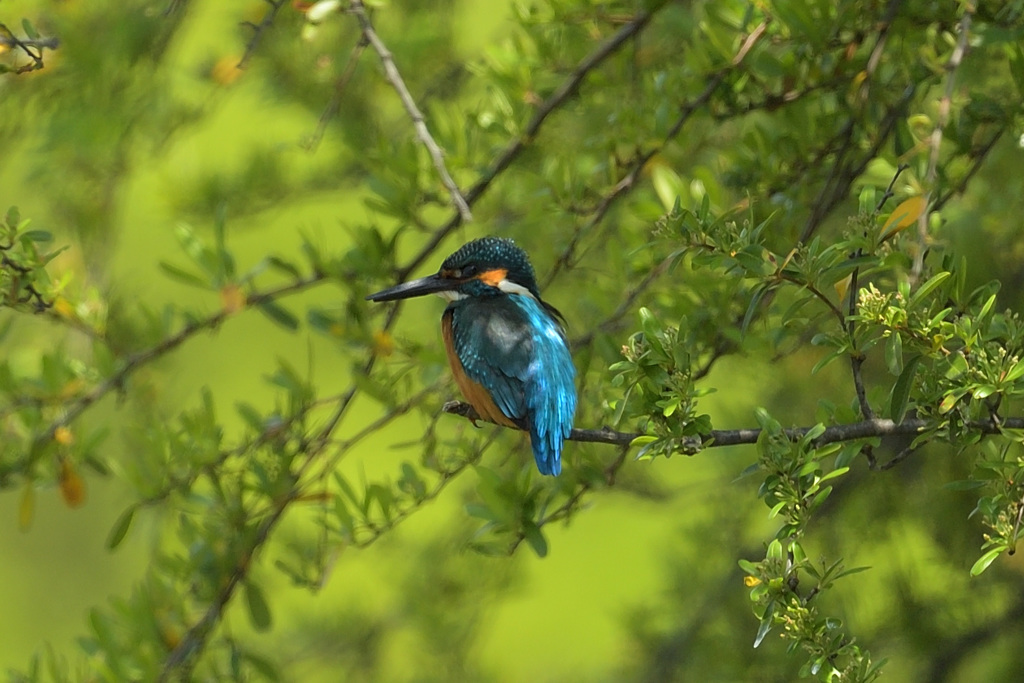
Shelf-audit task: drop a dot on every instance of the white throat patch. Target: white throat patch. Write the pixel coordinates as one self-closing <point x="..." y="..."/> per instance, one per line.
<point x="513" y="288"/>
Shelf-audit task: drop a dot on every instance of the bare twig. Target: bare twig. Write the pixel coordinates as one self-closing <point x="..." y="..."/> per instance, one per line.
<point x="561" y="94"/>
<point x="419" y="123"/>
<point x="31" y="47"/>
<point x="259" y="29"/>
<point x="889" y="191"/>
<point x="857" y="356"/>
<point x="628" y="181"/>
<point x="566" y="509"/>
<point x="184" y="655"/>
<point x="935" y="141"/>
<point x="1016" y="524"/>
<point x="137" y="360"/>
<point x="882" y="37"/>
<point x="845" y="171"/>
<point x="181" y="659"/>
<point x="7" y="39"/>
<point x="836" y="183"/>
<point x="624" y="307"/>
<point x="865" y="429"/>
<point x="893" y="461"/>
<point x="749" y="42"/>
<point x="950" y="652"/>
<point x="977" y="159"/>
<point x="331" y="110"/>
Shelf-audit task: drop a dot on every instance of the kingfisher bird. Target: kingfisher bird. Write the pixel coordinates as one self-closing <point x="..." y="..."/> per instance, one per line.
<point x="506" y="346"/>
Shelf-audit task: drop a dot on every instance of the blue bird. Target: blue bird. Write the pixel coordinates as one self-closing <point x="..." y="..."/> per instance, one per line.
<point x="506" y="346"/>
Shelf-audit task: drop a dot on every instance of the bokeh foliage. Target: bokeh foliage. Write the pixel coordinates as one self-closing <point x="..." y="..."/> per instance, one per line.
<point x="787" y="217"/>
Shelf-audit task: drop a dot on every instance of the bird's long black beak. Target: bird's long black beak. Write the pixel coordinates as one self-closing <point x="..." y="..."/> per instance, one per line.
<point x="425" y="285"/>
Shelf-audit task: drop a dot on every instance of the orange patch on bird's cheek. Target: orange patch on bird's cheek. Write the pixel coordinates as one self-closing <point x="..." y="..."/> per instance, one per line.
<point x="493" y="277"/>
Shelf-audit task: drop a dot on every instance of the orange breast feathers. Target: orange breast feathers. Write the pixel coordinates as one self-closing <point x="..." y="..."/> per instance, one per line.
<point x="474" y="392"/>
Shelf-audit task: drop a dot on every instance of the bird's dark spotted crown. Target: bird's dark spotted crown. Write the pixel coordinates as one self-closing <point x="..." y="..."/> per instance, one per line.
<point x="489" y="254"/>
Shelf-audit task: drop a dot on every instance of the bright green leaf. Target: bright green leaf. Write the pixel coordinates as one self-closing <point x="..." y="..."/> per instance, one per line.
<point x="899" y="397"/>
<point x="259" y="610"/>
<point x="927" y="288"/>
<point x="534" y="536"/>
<point x="985" y="560"/>
<point x="279" y="315"/>
<point x="120" y="528"/>
<point x="184" y="276"/>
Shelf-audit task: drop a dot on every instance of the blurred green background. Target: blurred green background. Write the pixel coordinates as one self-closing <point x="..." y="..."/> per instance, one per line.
<point x="567" y="611"/>
<point x="121" y="138"/>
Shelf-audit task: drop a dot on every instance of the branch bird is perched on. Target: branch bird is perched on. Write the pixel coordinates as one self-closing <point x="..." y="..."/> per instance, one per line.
<point x="506" y="346"/>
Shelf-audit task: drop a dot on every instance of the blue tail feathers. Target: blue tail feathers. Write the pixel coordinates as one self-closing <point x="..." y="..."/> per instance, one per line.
<point x="547" y="451"/>
<point x="550" y="390"/>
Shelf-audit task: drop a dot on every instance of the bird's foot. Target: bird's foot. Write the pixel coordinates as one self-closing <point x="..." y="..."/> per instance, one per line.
<point x="464" y="409"/>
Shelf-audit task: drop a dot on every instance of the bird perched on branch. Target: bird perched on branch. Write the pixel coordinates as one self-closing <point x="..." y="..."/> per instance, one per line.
<point x="506" y="346"/>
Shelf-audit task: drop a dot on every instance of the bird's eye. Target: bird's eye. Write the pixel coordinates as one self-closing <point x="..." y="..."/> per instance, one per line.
<point x="468" y="271"/>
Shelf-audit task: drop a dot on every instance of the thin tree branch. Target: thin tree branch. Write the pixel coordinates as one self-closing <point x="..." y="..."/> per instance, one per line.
<point x="331" y="110"/>
<point x="566" y="509"/>
<point x="31" y="47"/>
<point x="865" y="429"/>
<point x="7" y="39"/>
<point x="191" y="645"/>
<point x="978" y="158"/>
<point x="628" y="181"/>
<point x="935" y="141"/>
<point x="950" y="652"/>
<point x="1016" y="525"/>
<point x="137" y="360"/>
<point x="843" y="174"/>
<point x="889" y="190"/>
<point x="419" y="123"/>
<point x="893" y="461"/>
<point x="446" y="478"/>
<point x="259" y="29"/>
<point x="561" y="94"/>
<point x="624" y="307"/>
<point x="183" y="657"/>
<point x="857" y="356"/>
<point x="883" y="35"/>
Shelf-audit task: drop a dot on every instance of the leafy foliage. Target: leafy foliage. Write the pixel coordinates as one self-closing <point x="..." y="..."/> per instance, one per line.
<point x="756" y="183"/>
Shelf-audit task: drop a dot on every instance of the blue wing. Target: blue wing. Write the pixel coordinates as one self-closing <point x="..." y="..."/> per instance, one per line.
<point x="517" y="351"/>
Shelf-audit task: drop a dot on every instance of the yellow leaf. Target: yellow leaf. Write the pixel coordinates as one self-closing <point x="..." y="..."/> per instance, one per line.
<point x="63" y="308"/>
<point x="63" y="436"/>
<point x="71" y="484"/>
<point x="383" y="343"/>
<point x="789" y="257"/>
<point x="751" y="581"/>
<point x="904" y="215"/>
<point x="170" y="636"/>
<point x="843" y="286"/>
<point x="232" y="298"/>
<point x="226" y="71"/>
<point x="70" y="390"/>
